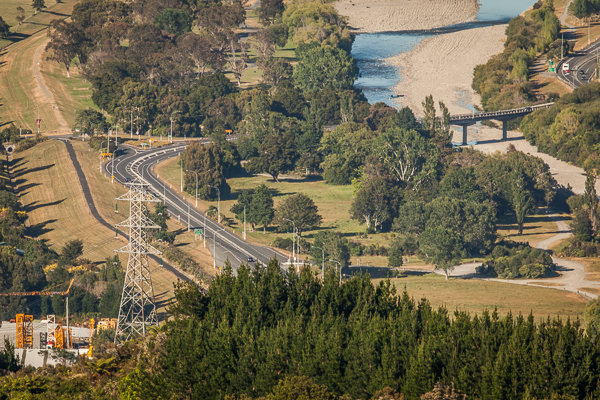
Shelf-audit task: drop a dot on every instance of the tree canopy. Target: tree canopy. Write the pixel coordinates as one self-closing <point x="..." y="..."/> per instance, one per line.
<point x="298" y="208"/>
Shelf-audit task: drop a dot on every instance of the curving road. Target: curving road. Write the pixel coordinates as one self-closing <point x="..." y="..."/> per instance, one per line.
<point x="223" y="244"/>
<point x="94" y="211"/>
<point x="582" y="65"/>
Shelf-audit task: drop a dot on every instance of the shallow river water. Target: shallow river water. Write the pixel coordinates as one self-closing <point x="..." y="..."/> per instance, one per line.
<point x="371" y="49"/>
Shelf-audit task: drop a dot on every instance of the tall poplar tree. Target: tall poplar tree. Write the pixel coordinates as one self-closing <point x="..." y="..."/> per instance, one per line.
<point x="591" y="199"/>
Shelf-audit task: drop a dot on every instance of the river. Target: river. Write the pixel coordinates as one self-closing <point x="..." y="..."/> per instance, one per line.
<point x="371" y="49"/>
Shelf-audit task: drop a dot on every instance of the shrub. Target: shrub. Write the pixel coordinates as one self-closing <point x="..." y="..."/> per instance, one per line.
<point x="578" y="248"/>
<point x="512" y="261"/>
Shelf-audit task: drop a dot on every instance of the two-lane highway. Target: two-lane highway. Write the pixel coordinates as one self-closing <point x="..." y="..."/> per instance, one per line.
<point x="223" y="244"/>
<point x="582" y="66"/>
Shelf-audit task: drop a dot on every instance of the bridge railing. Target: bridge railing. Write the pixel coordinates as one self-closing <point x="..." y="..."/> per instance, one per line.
<point x="500" y="112"/>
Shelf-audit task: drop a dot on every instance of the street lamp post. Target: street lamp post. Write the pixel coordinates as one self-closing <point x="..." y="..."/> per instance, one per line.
<point x="172" y="125"/>
<point x="293" y="240"/>
<point x="188" y="216"/>
<point x="165" y="190"/>
<point x="187" y="170"/>
<point x="323" y="266"/>
<point x="340" y="268"/>
<point x="218" y="202"/>
<point x="215" y="249"/>
<point x="112" y="174"/>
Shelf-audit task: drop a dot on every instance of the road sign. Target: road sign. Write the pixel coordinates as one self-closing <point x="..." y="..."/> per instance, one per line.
<point x="552" y="70"/>
<point x="197" y="231"/>
<point x="550" y="62"/>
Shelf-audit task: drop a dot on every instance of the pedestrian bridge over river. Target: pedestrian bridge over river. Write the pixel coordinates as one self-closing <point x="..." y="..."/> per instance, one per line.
<point x="465" y="120"/>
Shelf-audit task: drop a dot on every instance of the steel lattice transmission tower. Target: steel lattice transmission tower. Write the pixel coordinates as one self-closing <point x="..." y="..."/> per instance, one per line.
<point x="137" y="310"/>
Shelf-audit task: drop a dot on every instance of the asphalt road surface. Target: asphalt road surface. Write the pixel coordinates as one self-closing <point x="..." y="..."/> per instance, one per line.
<point x="90" y="201"/>
<point x="132" y="162"/>
<point x="582" y="66"/>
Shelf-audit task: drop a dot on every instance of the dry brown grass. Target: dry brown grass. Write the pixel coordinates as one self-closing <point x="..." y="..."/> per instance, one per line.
<point x="537" y="227"/>
<point x="475" y="296"/>
<point x="559" y="7"/>
<point x="50" y="192"/>
<point x="50" y="189"/>
<point x="590" y="290"/>
<point x="592" y="267"/>
<point x="548" y="284"/>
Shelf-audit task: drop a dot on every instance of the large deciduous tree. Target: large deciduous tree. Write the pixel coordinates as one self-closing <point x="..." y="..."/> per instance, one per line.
<point x="258" y="205"/>
<point x="38" y="5"/>
<point x="276" y="155"/>
<point x="441" y="247"/>
<point x="219" y="21"/>
<point x="314" y="21"/>
<point x="201" y="53"/>
<point x="375" y="203"/>
<point x="590" y="199"/>
<point x="4" y="28"/>
<point x="208" y="161"/>
<point x="320" y="66"/>
<point x="275" y="70"/>
<point x="90" y="122"/>
<point x="237" y="62"/>
<point x="345" y="151"/>
<point x="409" y="156"/>
<point x="330" y="245"/>
<point x="174" y="21"/>
<point x="269" y="10"/>
<point x="299" y="208"/>
<point x="67" y="41"/>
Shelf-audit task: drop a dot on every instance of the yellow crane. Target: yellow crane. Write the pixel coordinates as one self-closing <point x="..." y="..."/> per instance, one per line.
<point x="41" y="293"/>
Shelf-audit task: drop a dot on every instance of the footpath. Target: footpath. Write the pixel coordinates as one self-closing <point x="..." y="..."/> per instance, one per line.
<point x="572" y="273"/>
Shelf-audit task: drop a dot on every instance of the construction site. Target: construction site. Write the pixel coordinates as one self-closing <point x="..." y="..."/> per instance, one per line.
<point x="29" y="336"/>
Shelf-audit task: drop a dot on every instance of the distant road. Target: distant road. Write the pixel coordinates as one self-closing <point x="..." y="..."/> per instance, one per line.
<point x="582" y="66"/>
<point x="94" y="211"/>
<point x="582" y="63"/>
<point x="227" y="245"/>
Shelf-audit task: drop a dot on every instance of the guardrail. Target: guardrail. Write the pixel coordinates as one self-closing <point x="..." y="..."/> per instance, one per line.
<point x="491" y="114"/>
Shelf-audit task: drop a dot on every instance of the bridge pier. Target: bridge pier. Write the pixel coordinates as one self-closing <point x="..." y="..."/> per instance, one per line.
<point x="465" y="129"/>
<point x="504" y="130"/>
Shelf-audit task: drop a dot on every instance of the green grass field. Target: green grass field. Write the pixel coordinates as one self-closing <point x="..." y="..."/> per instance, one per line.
<point x="32" y="23"/>
<point x="332" y="201"/>
<point x="475" y="296"/>
<point x="71" y="94"/>
<point x="20" y="92"/>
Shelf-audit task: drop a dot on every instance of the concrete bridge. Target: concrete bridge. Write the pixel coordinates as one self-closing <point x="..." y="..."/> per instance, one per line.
<point x="465" y="120"/>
